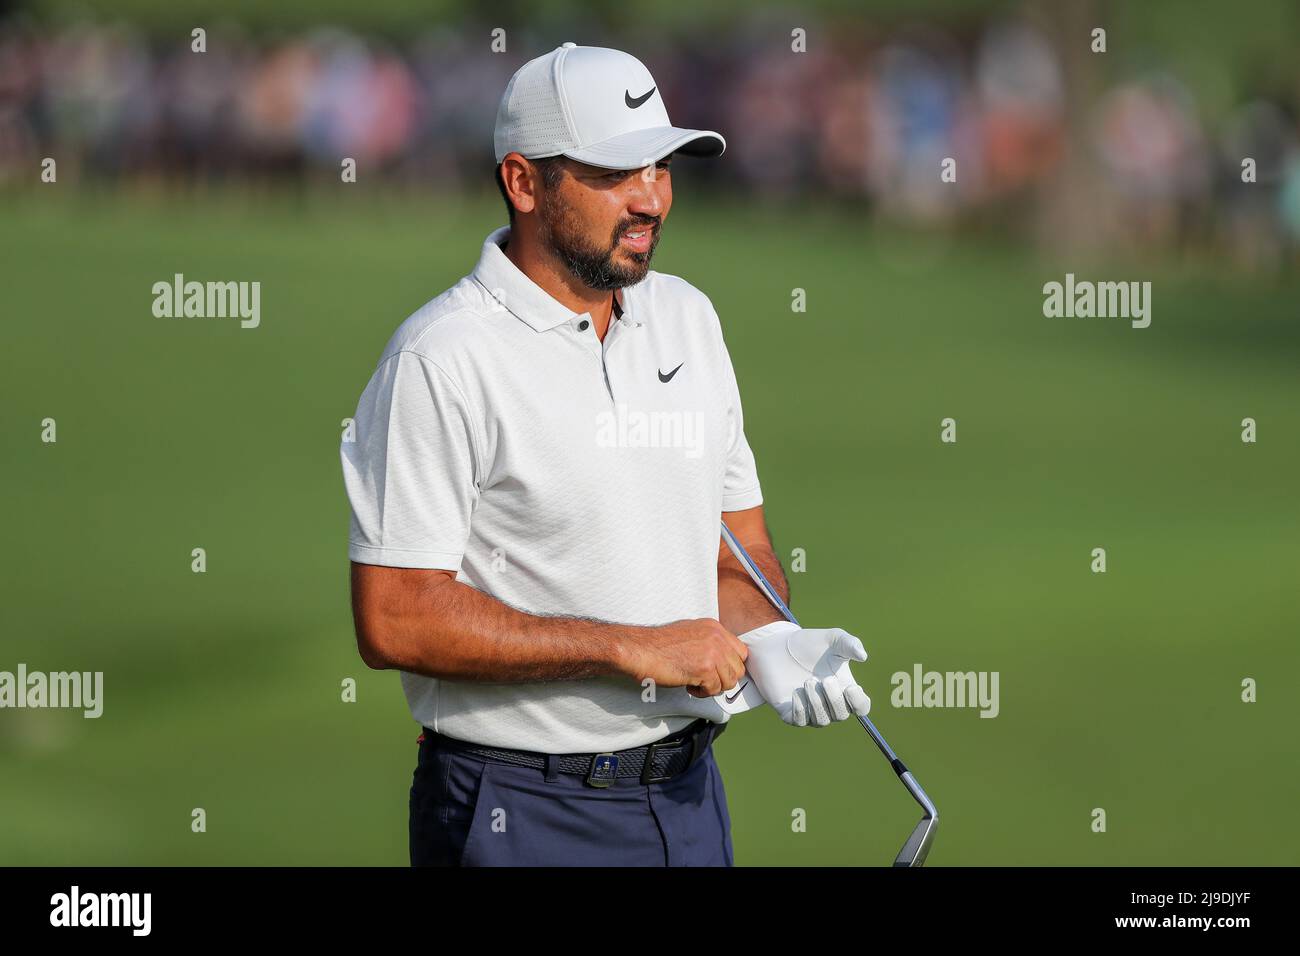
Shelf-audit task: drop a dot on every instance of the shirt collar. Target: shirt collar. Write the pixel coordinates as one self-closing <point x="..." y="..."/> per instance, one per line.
<point x="522" y="296"/>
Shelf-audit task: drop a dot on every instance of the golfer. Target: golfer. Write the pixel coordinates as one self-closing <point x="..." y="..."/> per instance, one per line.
<point x="541" y="460"/>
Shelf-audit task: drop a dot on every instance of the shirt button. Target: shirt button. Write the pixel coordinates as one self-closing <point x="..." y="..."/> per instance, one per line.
<point x="582" y="326"/>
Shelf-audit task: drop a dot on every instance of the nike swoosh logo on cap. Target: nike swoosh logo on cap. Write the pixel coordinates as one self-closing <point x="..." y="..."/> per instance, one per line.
<point x="634" y="101"/>
<point x="669" y="376"/>
<point x="731" y="698"/>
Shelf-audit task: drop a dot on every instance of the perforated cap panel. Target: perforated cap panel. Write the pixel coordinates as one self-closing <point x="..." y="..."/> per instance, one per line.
<point x="530" y="119"/>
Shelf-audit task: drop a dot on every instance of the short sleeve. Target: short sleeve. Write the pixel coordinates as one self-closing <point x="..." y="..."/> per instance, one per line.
<point x="740" y="485"/>
<point x="412" y="471"/>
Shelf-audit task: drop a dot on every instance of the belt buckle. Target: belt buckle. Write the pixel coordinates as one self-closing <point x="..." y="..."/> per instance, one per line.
<point x="646" y="776"/>
<point x="604" y="770"/>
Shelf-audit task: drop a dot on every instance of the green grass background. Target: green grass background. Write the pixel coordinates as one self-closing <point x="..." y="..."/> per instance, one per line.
<point x="1119" y="691"/>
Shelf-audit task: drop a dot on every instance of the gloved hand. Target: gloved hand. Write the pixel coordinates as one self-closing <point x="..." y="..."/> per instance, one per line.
<point x="802" y="672"/>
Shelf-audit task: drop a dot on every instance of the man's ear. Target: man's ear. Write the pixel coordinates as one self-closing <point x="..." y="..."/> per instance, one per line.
<point x="520" y="179"/>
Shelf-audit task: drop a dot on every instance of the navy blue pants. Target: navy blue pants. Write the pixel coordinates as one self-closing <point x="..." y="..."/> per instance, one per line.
<point x="469" y="812"/>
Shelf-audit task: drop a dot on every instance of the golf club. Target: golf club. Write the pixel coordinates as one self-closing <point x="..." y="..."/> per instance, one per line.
<point x="917" y="847"/>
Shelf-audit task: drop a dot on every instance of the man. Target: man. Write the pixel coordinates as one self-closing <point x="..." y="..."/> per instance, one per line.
<point x="541" y="461"/>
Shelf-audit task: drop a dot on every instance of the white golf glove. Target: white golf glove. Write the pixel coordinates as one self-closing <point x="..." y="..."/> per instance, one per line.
<point x="675" y="701"/>
<point x="802" y="672"/>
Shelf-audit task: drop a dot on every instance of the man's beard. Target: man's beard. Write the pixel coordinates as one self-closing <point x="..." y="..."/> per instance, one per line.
<point x="593" y="265"/>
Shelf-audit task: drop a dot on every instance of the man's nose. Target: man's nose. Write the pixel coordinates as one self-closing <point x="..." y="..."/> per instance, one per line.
<point x="649" y="193"/>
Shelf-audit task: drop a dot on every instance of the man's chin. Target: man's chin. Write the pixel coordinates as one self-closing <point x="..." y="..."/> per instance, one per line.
<point x="633" y="266"/>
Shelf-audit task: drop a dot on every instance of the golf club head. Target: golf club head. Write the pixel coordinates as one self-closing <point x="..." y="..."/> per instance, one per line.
<point x="917" y="847"/>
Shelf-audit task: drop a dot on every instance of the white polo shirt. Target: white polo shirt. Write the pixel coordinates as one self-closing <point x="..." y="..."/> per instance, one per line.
<point x="501" y="439"/>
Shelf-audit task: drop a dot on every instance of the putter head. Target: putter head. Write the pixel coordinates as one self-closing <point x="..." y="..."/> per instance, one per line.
<point x="917" y="847"/>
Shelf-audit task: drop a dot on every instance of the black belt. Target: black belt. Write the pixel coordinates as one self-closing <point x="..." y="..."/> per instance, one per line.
<point x="651" y="763"/>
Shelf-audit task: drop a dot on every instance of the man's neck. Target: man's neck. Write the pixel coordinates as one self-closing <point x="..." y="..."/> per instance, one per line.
<point x="551" y="276"/>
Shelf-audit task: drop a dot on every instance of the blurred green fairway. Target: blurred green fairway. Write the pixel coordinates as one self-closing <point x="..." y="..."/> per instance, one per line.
<point x="1119" y="691"/>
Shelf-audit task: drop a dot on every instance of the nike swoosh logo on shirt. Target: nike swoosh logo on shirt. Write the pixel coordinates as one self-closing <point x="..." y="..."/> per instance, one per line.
<point x="634" y="101"/>
<point x="731" y="698"/>
<point x="669" y="376"/>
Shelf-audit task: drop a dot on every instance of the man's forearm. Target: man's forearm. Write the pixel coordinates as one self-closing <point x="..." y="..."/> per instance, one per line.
<point x="453" y="631"/>
<point x="741" y="605"/>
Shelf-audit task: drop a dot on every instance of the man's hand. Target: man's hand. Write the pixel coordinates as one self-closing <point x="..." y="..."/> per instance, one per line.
<point x="699" y="654"/>
<point x="804" y="672"/>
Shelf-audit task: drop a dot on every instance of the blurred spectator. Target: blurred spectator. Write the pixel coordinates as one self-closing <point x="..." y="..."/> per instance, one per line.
<point x="916" y="105"/>
<point x="1256" y="213"/>
<point x="1151" y="144"/>
<point x="1022" y="105"/>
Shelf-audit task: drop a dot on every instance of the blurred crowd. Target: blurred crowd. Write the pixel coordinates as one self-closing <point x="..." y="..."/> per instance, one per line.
<point x="867" y="117"/>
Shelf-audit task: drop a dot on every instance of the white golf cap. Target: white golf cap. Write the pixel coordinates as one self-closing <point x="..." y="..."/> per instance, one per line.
<point x="598" y="106"/>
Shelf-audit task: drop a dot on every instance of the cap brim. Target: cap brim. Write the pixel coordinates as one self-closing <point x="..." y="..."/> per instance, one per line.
<point x="643" y="147"/>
